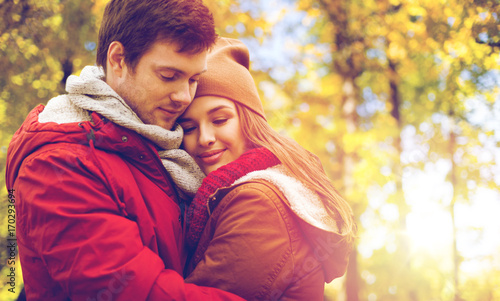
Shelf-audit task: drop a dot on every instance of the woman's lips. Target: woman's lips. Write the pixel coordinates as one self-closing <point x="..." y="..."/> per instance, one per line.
<point x="211" y="157"/>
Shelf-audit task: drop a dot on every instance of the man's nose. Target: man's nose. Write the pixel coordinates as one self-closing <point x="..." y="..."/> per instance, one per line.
<point x="182" y="94"/>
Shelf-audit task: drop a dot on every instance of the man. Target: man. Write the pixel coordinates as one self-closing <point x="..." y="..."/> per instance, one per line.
<point x="97" y="175"/>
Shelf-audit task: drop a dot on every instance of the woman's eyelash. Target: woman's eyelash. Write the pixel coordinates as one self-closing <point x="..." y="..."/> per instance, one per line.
<point x="188" y="129"/>
<point x="220" y="120"/>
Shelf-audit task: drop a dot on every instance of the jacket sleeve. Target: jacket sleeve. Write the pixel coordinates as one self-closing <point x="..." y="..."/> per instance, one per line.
<point x="68" y="218"/>
<point x="251" y="248"/>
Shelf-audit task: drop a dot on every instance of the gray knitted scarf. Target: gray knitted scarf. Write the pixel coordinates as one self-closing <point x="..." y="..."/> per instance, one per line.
<point x="90" y="93"/>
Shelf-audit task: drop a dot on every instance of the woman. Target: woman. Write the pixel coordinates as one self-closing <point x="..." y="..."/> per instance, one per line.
<point x="273" y="227"/>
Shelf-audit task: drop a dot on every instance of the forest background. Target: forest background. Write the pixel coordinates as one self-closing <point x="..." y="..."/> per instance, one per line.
<point x="400" y="99"/>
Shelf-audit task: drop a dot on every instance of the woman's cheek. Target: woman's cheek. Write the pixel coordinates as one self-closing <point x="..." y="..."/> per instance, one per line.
<point x="189" y="145"/>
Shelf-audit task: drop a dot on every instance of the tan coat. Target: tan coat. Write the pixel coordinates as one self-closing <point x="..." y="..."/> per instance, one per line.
<point x="256" y="246"/>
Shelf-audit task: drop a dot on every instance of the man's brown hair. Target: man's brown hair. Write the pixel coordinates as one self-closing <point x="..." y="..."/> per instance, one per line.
<point x="138" y="24"/>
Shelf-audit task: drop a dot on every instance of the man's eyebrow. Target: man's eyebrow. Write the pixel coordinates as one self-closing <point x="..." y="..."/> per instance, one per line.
<point x="211" y="111"/>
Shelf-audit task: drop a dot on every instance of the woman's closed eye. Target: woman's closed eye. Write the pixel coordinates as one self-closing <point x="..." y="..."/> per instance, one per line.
<point x="220" y="121"/>
<point x="188" y="128"/>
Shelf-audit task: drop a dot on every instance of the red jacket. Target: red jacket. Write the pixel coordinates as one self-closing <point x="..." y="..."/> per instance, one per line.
<point x="96" y="223"/>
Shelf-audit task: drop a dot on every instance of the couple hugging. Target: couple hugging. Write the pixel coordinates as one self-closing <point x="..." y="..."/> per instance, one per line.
<point x="157" y="177"/>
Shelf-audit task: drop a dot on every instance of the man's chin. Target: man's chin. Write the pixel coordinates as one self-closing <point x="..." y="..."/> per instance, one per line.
<point x="168" y="125"/>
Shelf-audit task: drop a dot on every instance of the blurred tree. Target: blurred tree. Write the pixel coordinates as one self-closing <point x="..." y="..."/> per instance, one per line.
<point x="41" y="44"/>
<point x="381" y="90"/>
<point x="393" y="65"/>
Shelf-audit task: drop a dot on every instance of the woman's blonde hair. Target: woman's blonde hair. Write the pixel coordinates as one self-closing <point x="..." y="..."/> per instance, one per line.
<point x="302" y="164"/>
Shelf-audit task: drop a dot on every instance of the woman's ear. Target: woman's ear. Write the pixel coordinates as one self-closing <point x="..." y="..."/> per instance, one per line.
<point x="116" y="59"/>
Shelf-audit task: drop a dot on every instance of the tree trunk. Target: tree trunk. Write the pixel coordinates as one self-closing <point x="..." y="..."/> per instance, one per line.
<point x="348" y="160"/>
<point x="403" y="210"/>
<point x="454" y="183"/>
<point x="347" y="65"/>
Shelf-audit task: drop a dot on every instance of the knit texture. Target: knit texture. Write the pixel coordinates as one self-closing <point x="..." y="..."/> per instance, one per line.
<point x="197" y="214"/>
<point x="90" y="93"/>
<point x="228" y="75"/>
<point x="304" y="202"/>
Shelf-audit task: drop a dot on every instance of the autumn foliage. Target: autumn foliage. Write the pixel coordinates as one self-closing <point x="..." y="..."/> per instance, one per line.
<point x="400" y="99"/>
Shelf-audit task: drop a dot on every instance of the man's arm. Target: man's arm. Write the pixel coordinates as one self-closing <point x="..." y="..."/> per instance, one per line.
<point x="89" y="248"/>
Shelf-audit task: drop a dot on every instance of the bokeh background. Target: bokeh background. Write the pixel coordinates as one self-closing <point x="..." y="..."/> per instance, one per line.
<point x="400" y="99"/>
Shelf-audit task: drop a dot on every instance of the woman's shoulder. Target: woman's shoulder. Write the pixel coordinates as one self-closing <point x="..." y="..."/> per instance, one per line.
<point x="278" y="185"/>
<point x="253" y="238"/>
<point x="259" y="215"/>
<point x="251" y="193"/>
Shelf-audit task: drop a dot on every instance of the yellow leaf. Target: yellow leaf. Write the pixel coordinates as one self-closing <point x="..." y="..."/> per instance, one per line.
<point x="17" y="80"/>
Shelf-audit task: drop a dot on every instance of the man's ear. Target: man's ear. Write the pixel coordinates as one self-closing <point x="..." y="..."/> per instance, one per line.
<point x="116" y="59"/>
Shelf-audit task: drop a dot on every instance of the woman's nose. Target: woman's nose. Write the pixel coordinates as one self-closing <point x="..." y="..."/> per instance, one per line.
<point x="207" y="136"/>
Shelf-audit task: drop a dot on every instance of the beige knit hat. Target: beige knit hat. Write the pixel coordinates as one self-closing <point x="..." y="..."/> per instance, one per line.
<point x="228" y="75"/>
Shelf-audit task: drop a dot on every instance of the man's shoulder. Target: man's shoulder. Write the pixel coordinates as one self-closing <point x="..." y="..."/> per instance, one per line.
<point x="67" y="153"/>
<point x="61" y="110"/>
